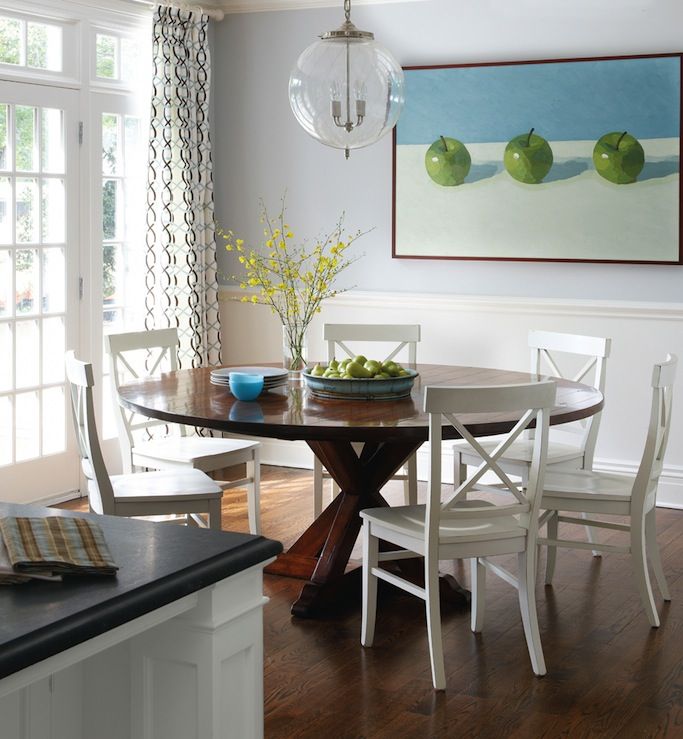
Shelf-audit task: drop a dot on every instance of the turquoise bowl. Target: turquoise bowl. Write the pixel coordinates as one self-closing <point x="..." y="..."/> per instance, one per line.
<point x="360" y="388"/>
<point x="245" y="386"/>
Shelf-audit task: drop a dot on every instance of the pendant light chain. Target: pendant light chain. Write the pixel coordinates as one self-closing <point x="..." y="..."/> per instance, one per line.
<point x="347" y="9"/>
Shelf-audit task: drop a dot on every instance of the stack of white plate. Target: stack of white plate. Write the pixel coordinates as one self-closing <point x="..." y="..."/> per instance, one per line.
<point x="272" y="376"/>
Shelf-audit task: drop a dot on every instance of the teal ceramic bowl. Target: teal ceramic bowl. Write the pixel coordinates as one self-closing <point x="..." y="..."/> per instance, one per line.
<point x="245" y="386"/>
<point x="360" y="389"/>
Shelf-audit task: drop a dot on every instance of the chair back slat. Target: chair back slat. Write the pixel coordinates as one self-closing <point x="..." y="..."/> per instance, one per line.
<point x="81" y="382"/>
<point x="545" y="346"/>
<point x="134" y="355"/>
<point x="405" y="336"/>
<point x="652" y="461"/>
<point x="456" y="406"/>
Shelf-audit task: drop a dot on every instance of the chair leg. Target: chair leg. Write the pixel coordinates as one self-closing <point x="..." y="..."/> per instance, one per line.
<point x="317" y="487"/>
<point x="640" y="571"/>
<point x="369" y="586"/>
<point x="215" y="514"/>
<point x="254" y="494"/>
<point x="478" y="578"/>
<point x="459" y="469"/>
<point x="527" y="607"/>
<point x="551" y="550"/>
<point x="653" y="554"/>
<point x="433" y="612"/>
<point x="590" y="535"/>
<point x="410" y="483"/>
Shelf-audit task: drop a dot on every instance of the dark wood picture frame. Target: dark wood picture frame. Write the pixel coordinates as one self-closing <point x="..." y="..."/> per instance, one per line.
<point x="598" y="179"/>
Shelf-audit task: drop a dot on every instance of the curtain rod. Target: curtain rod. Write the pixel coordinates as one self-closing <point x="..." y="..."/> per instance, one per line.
<point x="214" y="13"/>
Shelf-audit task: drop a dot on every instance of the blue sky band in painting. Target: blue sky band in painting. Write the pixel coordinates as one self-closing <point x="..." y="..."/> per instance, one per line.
<point x="563" y="101"/>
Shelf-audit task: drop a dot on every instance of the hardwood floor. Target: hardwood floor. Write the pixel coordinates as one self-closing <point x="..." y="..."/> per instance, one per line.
<point x="609" y="673"/>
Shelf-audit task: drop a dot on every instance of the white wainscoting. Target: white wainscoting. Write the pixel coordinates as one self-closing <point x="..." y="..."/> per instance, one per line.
<point x="492" y="332"/>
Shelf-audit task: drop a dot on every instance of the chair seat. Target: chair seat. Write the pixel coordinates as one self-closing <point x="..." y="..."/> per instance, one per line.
<point x="410" y="520"/>
<point x="200" y="452"/>
<point x="587" y="485"/>
<point x="161" y="485"/>
<point x="522" y="449"/>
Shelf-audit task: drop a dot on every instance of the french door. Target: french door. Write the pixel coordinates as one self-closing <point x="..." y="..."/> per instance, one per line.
<point x="39" y="288"/>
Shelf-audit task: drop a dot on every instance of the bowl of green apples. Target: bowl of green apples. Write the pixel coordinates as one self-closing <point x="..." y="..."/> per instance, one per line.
<point x="360" y="378"/>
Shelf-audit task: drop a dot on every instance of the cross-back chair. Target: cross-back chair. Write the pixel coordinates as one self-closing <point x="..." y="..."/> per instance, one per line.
<point x="449" y="527"/>
<point x="188" y="492"/>
<point x="400" y="338"/>
<point x="571" y="445"/>
<point x="147" y="443"/>
<point x="597" y="493"/>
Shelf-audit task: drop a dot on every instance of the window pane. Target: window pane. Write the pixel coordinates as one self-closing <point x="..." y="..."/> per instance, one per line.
<point x="4" y="138"/>
<point x="105" y="56"/>
<point x="27" y="282"/>
<point x="25" y="137"/>
<point x="44" y="46"/>
<point x="27" y="426"/>
<point x="111" y="209"/>
<point x="54" y="281"/>
<point x="52" y="140"/>
<point x="27" y="210"/>
<point x="10" y="40"/>
<point x="131" y="58"/>
<point x="111" y="144"/>
<point x="53" y="349"/>
<point x="28" y="353"/>
<point x="112" y="275"/>
<point x="54" y="417"/>
<point x="5" y="211"/>
<point x="6" y="435"/>
<point x="7" y="356"/>
<point x="5" y="283"/>
<point x="53" y="211"/>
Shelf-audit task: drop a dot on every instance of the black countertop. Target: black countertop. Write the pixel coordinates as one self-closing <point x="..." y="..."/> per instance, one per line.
<point x="158" y="564"/>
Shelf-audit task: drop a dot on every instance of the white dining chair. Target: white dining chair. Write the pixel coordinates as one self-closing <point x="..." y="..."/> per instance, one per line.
<point x="601" y="493"/>
<point x="393" y="339"/>
<point x="571" y="445"/>
<point x="168" y="446"/>
<point x="450" y="528"/>
<point x="187" y="492"/>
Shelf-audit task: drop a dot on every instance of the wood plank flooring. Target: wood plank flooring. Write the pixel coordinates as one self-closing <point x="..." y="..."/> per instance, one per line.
<point x="609" y="673"/>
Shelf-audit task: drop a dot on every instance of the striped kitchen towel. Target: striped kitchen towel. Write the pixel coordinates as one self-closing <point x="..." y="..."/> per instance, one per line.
<point x="56" y="545"/>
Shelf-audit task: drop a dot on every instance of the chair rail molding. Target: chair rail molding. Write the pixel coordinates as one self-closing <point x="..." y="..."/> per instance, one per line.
<point x="492" y="331"/>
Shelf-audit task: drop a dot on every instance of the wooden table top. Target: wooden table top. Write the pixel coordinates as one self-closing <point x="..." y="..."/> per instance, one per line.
<point x="292" y="412"/>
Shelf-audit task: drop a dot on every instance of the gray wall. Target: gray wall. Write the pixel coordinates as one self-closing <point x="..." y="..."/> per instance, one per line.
<point x="260" y="150"/>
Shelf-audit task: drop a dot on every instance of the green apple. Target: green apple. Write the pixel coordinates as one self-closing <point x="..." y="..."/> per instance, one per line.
<point x="528" y="158"/>
<point x="618" y="157"/>
<point x="448" y="162"/>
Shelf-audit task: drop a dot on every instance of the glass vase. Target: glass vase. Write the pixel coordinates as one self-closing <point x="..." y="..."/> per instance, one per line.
<point x="294" y="349"/>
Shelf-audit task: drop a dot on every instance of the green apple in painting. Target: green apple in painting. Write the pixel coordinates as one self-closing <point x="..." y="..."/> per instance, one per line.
<point x="528" y="158"/>
<point x="619" y="157"/>
<point x="448" y="162"/>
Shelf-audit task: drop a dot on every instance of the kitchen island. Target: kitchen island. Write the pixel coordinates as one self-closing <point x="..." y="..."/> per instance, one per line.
<point x="171" y="647"/>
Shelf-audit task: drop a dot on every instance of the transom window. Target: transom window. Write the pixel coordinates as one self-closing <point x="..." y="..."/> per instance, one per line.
<point x="30" y="44"/>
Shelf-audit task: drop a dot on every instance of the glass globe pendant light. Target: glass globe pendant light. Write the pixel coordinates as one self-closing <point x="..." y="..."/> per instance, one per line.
<point x="345" y="89"/>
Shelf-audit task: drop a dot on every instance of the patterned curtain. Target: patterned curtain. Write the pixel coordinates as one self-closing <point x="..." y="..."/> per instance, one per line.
<point x="181" y="279"/>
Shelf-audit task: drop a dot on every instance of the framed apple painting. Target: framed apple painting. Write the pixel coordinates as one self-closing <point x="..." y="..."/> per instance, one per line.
<point x="563" y="160"/>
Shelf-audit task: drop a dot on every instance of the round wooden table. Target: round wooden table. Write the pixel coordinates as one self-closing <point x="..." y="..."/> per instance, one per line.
<point x="390" y="430"/>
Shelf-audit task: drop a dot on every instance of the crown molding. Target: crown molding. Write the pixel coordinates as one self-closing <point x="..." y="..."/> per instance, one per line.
<point x="259" y="6"/>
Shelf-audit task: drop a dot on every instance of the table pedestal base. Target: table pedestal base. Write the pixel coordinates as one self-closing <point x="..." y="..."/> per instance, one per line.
<point x="321" y="554"/>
